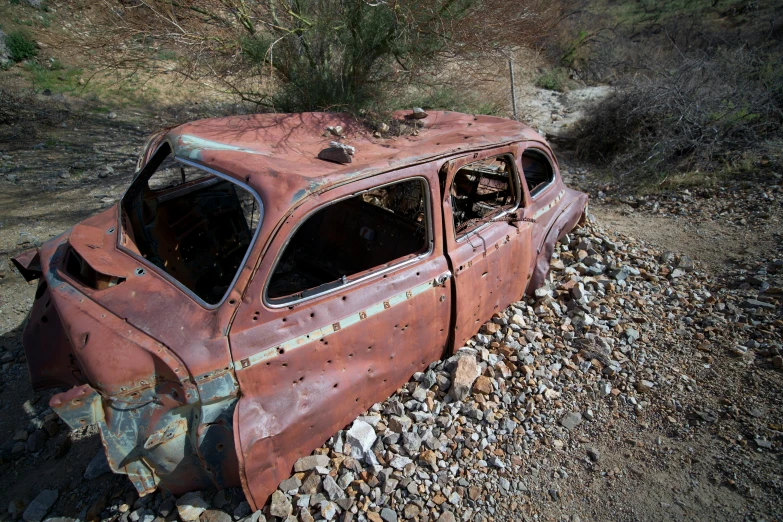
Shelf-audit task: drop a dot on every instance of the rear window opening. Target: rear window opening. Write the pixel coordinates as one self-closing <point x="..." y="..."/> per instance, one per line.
<point x="481" y="191"/>
<point x="195" y="226"/>
<point x="353" y="237"/>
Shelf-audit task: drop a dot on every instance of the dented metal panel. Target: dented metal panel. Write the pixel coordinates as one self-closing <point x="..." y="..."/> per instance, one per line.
<point x="566" y="216"/>
<point x="486" y="261"/>
<point x="188" y="396"/>
<point x="364" y="342"/>
<point x="346" y="322"/>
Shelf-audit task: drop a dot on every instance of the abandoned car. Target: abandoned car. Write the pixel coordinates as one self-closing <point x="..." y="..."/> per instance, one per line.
<point x="257" y="288"/>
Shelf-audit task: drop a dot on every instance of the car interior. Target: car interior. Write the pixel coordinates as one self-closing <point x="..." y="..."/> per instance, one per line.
<point x="537" y="169"/>
<point x="480" y="191"/>
<point x="366" y="232"/>
<point x="194" y="226"/>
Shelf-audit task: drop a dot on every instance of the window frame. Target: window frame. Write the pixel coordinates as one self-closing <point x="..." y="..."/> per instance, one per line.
<point x="121" y="234"/>
<point x="541" y="188"/>
<point x="283" y="302"/>
<point x="516" y="181"/>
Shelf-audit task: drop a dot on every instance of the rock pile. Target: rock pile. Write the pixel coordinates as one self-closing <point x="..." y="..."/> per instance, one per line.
<point x="457" y="440"/>
<point x="619" y="331"/>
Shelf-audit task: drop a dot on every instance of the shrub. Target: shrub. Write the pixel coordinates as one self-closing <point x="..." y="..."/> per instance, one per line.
<point x="701" y="112"/>
<point x="20" y="46"/>
<point x="553" y="80"/>
<point x="447" y="97"/>
<point x="313" y="54"/>
<point x="335" y="56"/>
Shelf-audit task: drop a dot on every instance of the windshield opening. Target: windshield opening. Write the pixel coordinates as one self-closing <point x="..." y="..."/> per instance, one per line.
<point x="195" y="226"/>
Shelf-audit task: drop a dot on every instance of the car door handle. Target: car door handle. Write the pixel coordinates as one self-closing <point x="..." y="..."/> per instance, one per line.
<point x="442" y="278"/>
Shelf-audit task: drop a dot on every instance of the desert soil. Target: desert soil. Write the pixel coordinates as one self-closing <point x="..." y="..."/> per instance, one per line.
<point x="667" y="361"/>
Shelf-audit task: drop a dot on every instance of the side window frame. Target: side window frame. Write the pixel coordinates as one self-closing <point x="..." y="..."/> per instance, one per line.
<point x="284" y="302"/>
<point x="541" y="188"/>
<point x="518" y="192"/>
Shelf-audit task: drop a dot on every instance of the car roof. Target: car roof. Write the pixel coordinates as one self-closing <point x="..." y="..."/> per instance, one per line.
<point x="282" y="149"/>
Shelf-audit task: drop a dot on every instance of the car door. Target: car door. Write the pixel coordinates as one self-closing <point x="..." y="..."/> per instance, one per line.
<point x="489" y="257"/>
<point x="309" y="361"/>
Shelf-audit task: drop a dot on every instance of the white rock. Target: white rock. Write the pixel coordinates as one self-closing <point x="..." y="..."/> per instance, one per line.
<point x="399" y="462"/>
<point x="191" y="505"/>
<point x="361" y="437"/>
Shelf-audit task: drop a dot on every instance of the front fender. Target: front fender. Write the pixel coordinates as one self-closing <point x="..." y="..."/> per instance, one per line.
<point x="570" y="216"/>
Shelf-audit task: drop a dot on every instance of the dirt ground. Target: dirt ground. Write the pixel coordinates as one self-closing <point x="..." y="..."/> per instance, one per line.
<point x="655" y="465"/>
<point x="714" y="242"/>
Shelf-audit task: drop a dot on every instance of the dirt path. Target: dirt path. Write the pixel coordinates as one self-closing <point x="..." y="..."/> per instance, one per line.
<point x="716" y="242"/>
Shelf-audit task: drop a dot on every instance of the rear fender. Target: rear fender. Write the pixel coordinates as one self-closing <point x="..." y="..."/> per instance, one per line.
<point x="159" y="425"/>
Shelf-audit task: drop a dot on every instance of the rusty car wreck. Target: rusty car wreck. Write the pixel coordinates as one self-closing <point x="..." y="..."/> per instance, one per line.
<point x="257" y="288"/>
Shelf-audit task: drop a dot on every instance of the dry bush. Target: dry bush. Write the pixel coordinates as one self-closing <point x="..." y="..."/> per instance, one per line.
<point x="697" y="111"/>
<point x="698" y="84"/>
<point x="603" y="41"/>
<point x="307" y="54"/>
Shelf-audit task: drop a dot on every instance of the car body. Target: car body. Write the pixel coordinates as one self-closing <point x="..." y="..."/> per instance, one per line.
<point x="247" y="299"/>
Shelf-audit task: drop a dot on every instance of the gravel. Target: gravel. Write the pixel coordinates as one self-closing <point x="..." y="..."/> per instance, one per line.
<point x="534" y="376"/>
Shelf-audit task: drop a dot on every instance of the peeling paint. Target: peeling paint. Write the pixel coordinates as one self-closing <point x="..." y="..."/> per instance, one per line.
<point x="191" y="147"/>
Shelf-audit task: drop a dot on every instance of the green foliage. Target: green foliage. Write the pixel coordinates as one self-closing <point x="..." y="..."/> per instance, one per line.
<point x="45" y="20"/>
<point x="694" y="93"/>
<point x="698" y="113"/>
<point x="166" y="55"/>
<point x="56" y="78"/>
<point x="770" y="74"/>
<point x="100" y="109"/>
<point x="20" y="46"/>
<point x="56" y="65"/>
<point x="574" y="50"/>
<point x="553" y="80"/>
<point x="335" y="55"/>
<point x="255" y="48"/>
<point x="302" y="55"/>
<point x="603" y="40"/>
<point x="23" y="21"/>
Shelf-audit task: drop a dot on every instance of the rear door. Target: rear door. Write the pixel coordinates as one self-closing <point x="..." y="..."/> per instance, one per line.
<point x="488" y="250"/>
<point x="350" y="300"/>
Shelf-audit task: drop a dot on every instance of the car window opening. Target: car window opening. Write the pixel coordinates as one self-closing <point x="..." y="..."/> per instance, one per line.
<point x="481" y="191"/>
<point x="537" y="169"/>
<point x="195" y="226"/>
<point x="365" y="232"/>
